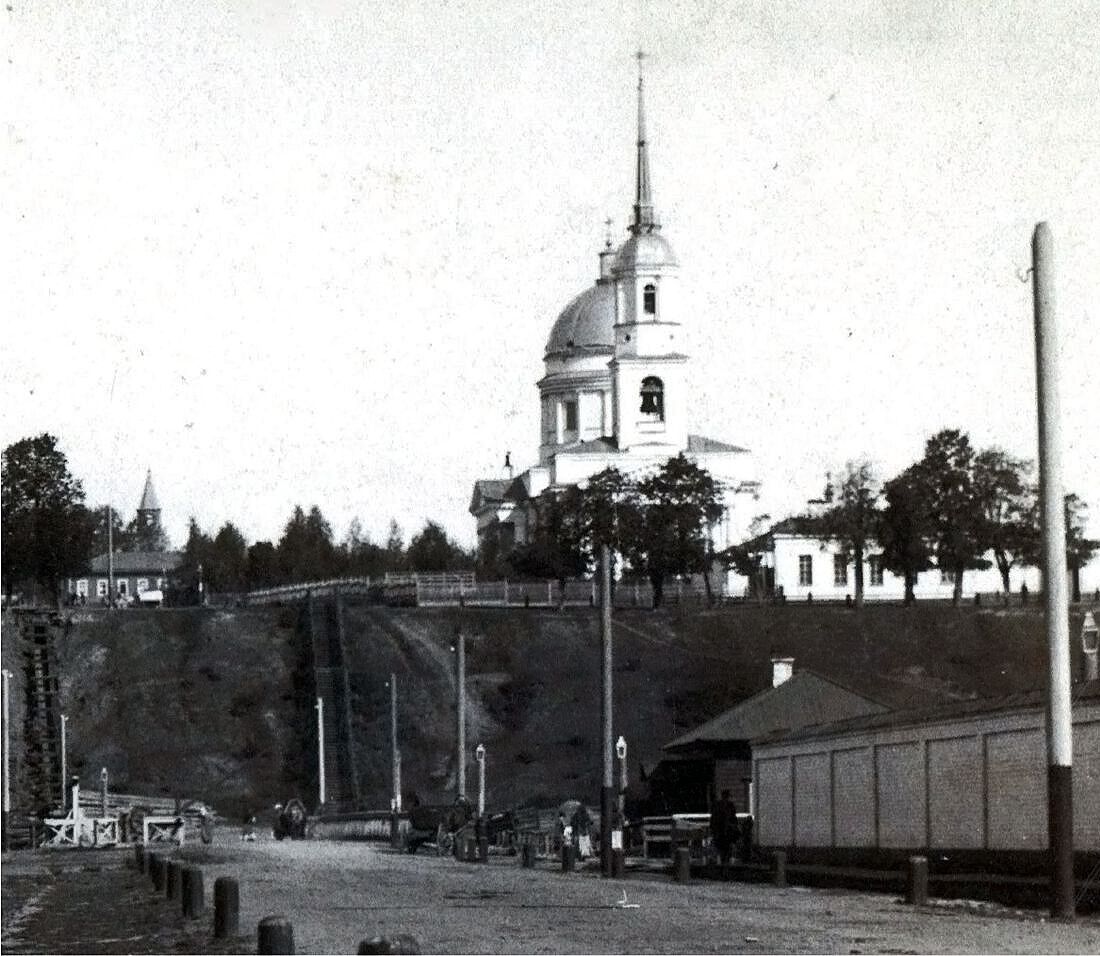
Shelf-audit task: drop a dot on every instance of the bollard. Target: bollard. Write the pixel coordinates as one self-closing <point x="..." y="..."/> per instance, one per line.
<point x="779" y="868"/>
<point x="482" y="849"/>
<point x="618" y="864"/>
<point x="173" y="879"/>
<point x="566" y="858"/>
<point x="395" y="832"/>
<point x="139" y="857"/>
<point x="275" y="936"/>
<point x="401" y="943"/>
<point x="529" y="852"/>
<point x="917" y="887"/>
<point x="193" y="902"/>
<point x="681" y="867"/>
<point x="227" y="907"/>
<point x="158" y="872"/>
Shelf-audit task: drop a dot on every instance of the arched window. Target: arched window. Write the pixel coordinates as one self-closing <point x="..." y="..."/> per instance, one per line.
<point x="653" y="398"/>
<point x="649" y="299"/>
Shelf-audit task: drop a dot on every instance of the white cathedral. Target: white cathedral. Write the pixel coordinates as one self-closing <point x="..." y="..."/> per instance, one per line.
<point x="615" y="392"/>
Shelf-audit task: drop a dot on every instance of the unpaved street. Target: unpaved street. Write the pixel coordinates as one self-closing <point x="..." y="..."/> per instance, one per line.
<point x="339" y="893"/>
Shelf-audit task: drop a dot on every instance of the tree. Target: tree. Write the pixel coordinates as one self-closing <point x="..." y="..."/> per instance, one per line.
<point x="229" y="560"/>
<point x="1007" y="499"/>
<point x="359" y="556"/>
<point x="431" y="550"/>
<point x="903" y="530"/>
<point x="46" y="530"/>
<point x="560" y="549"/>
<point x="306" y="551"/>
<point x="851" y="518"/>
<point x="120" y="538"/>
<point x="263" y="565"/>
<point x="947" y="491"/>
<point x="395" y="547"/>
<point x="667" y="523"/>
<point x="198" y="555"/>
<point x="1079" y="549"/>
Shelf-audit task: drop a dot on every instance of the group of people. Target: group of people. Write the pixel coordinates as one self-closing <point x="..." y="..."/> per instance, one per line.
<point x="576" y="831"/>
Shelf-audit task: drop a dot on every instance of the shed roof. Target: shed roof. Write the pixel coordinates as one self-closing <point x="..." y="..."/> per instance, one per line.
<point x="806" y="698"/>
<point x="138" y="562"/>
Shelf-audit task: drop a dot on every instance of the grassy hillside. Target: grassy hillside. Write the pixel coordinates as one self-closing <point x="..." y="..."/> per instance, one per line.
<point x="217" y="704"/>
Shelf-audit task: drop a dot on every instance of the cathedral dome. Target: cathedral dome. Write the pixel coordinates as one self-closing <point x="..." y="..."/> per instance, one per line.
<point x="586" y="323"/>
<point x="645" y="252"/>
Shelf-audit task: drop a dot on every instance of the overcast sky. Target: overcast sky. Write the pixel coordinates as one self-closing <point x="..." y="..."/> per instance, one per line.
<point x="310" y="252"/>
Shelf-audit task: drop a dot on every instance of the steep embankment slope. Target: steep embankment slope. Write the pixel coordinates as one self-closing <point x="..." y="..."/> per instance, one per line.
<point x="533" y="679"/>
<point x="217" y="704"/>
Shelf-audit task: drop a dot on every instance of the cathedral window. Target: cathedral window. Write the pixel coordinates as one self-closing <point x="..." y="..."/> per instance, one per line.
<point x="570" y="416"/>
<point x="649" y="299"/>
<point x="653" y="398"/>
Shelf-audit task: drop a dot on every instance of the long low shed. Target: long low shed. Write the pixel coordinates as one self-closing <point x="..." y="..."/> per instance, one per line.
<point x="968" y="776"/>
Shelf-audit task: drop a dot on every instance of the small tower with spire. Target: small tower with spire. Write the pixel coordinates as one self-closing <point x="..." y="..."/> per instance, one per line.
<point x="148" y="532"/>
<point x="649" y="366"/>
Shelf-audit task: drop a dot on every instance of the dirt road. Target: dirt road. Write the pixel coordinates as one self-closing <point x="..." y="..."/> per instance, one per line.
<point x="339" y="893"/>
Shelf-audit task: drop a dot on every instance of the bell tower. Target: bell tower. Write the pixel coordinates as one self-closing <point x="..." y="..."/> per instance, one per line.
<point x="648" y="370"/>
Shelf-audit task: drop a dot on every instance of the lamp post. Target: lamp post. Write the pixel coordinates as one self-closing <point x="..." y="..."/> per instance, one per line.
<point x="7" y="757"/>
<point x="103" y="792"/>
<point x="620" y="752"/>
<point x="64" y="765"/>
<point x="320" y="708"/>
<point x="479" y="753"/>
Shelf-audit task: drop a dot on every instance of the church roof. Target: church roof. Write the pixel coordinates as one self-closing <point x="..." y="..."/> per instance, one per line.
<point x="701" y="444"/>
<point x="138" y="562"/>
<point x="586" y="323"/>
<point x="488" y="491"/>
<point x="149" y="496"/>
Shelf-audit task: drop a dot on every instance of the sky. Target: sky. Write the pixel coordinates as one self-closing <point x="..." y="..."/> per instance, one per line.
<point x="309" y="253"/>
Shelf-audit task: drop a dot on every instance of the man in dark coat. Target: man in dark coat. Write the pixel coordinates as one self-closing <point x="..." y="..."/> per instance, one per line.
<point x="723" y="827"/>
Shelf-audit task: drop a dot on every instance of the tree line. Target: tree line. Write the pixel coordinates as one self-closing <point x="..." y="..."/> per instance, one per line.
<point x="49" y="533"/>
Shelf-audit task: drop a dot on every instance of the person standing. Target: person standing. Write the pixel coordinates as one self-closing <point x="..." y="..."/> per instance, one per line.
<point x="723" y="827"/>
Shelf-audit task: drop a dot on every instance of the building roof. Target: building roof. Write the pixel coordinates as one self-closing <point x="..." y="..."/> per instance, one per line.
<point x="806" y="698"/>
<point x="587" y="323"/>
<point x="149" y="496"/>
<point x="138" y="562"/>
<point x="701" y="444"/>
<point x="488" y="491"/>
<point x="957" y="710"/>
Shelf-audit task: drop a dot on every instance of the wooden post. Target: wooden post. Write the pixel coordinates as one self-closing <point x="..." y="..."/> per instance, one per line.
<point x="681" y="867"/>
<point x="1055" y="598"/>
<point x="916" y="892"/>
<point x="567" y="858"/>
<point x="227" y="907"/>
<point x="173" y="880"/>
<point x="193" y="894"/>
<point x="528" y="852"/>
<point x="460" y="716"/>
<point x="607" y="790"/>
<point x="275" y="936"/>
<point x="779" y="868"/>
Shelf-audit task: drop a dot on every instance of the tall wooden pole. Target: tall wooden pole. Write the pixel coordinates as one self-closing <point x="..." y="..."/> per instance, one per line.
<point x="607" y="790"/>
<point x="110" y="563"/>
<point x="6" y="836"/>
<point x="460" y="714"/>
<point x="1052" y="500"/>
<point x="320" y="707"/>
<point x="64" y="766"/>
<point x="394" y="751"/>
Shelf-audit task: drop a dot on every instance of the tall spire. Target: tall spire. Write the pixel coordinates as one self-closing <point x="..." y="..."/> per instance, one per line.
<point x="645" y="219"/>
<point x="149" y="496"/>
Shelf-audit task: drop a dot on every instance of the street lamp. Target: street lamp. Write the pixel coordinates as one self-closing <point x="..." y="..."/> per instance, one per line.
<point x="620" y="752"/>
<point x="103" y="791"/>
<point x="480" y="755"/>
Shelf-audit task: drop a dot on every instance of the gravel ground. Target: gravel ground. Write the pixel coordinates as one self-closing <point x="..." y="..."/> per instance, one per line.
<point x="337" y="894"/>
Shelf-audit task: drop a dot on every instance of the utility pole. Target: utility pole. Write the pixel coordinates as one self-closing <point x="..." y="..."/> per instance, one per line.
<point x="1052" y="502"/>
<point x="64" y="766"/>
<point x="320" y="708"/>
<point x="460" y="712"/>
<point x="607" y="790"/>
<point x="6" y="838"/>
<point x="394" y="750"/>
<point x="479" y="753"/>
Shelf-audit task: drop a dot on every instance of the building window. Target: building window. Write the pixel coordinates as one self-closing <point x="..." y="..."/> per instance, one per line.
<point x="840" y="570"/>
<point x="874" y="570"/>
<point x="805" y="570"/>
<point x="649" y="299"/>
<point x="82" y="588"/>
<point x="101" y="587"/>
<point x="653" y="398"/>
<point x="570" y="416"/>
<point x="123" y="586"/>
<point x="142" y="585"/>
